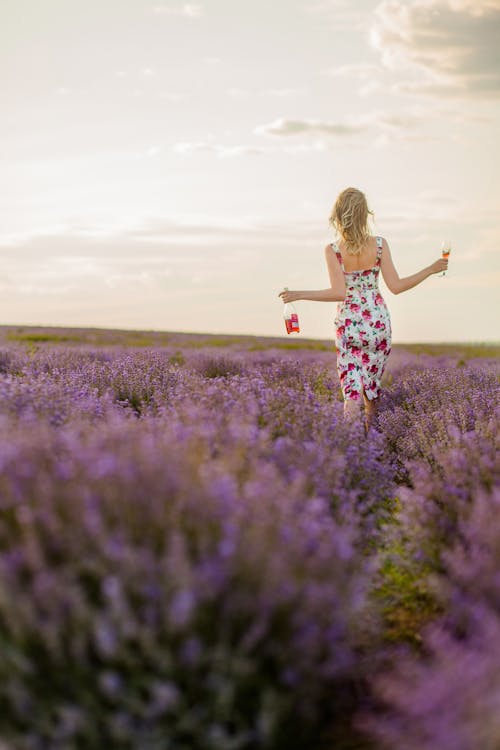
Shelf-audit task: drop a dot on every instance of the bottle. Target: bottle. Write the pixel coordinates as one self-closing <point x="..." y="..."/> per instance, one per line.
<point x="291" y="317"/>
<point x="445" y="252"/>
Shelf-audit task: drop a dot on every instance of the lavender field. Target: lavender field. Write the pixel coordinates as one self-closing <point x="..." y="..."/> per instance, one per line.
<point x="198" y="553"/>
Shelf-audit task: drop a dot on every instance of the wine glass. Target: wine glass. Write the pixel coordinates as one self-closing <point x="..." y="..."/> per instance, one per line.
<point x="445" y="251"/>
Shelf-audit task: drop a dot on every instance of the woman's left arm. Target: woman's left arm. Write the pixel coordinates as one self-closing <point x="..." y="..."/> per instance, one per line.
<point x="337" y="290"/>
<point x="320" y="295"/>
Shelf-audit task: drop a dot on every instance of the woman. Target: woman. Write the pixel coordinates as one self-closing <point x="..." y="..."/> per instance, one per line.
<point x="362" y="322"/>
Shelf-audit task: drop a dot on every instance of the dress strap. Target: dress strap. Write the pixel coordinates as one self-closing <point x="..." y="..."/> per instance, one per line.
<point x="379" y="250"/>
<point x="339" y="256"/>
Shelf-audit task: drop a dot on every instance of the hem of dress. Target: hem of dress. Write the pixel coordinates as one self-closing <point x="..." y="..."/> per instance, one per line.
<point x="370" y="395"/>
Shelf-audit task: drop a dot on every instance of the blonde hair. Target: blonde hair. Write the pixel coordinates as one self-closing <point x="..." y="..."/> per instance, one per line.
<point x="350" y="218"/>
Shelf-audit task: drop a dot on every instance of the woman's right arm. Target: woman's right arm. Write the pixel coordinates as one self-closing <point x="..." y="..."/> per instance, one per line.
<point x="391" y="276"/>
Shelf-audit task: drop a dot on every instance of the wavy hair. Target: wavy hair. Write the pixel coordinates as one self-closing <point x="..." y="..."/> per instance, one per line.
<point x="350" y="219"/>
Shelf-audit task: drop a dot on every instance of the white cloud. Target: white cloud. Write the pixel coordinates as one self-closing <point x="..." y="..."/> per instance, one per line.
<point x="187" y="147"/>
<point x="15" y="239"/>
<point x="239" y="93"/>
<point x="283" y="92"/>
<point x="476" y="7"/>
<point x="55" y="274"/>
<point x="376" y="121"/>
<point x="223" y="151"/>
<point x="70" y="259"/>
<point x="371" y="76"/>
<point x="141" y="278"/>
<point x="227" y="151"/>
<point x="358" y="70"/>
<point x="187" y="10"/>
<point x="318" y="135"/>
<point x="450" y="47"/>
<point x="174" y="96"/>
<point x="290" y="127"/>
<point x="341" y="15"/>
<point x="149" y="242"/>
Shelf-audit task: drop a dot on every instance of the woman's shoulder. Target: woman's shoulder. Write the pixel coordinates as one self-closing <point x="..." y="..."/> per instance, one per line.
<point x="331" y="251"/>
<point x="378" y="238"/>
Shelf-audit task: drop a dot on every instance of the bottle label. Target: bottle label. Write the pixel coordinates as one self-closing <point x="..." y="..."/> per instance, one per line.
<point x="292" y="323"/>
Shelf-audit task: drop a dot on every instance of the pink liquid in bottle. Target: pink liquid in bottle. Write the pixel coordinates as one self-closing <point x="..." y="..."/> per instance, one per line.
<point x="291" y="318"/>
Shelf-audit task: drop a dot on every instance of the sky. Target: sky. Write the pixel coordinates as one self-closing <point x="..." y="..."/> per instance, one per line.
<point x="170" y="165"/>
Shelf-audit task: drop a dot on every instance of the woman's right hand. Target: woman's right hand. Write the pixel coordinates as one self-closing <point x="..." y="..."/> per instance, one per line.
<point x="439" y="265"/>
<point x="286" y="296"/>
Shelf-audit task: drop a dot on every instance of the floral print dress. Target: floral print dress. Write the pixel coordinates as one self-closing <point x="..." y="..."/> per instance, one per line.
<point x="363" y="331"/>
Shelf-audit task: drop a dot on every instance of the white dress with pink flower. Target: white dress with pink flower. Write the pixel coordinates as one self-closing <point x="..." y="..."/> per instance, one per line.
<point x="363" y="331"/>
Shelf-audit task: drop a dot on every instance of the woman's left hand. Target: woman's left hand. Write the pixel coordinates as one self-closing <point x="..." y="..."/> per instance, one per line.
<point x="289" y="296"/>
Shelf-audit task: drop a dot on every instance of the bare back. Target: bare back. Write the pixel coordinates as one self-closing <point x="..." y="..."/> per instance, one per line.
<point x="366" y="258"/>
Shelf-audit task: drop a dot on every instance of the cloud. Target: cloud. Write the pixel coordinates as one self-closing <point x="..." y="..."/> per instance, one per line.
<point x="370" y="75"/>
<point x="319" y="135"/>
<point x="288" y="127"/>
<point x="150" y="241"/>
<point x="174" y="96"/>
<point x="239" y="93"/>
<point x="281" y="92"/>
<point x="358" y="70"/>
<point x="187" y="10"/>
<point x="340" y="14"/>
<point x="372" y="122"/>
<point x="450" y="47"/>
<point x="223" y="151"/>
<point x="70" y="263"/>
<point x="58" y="274"/>
<point x="146" y="259"/>
<point x="145" y="274"/>
<point x="187" y="147"/>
